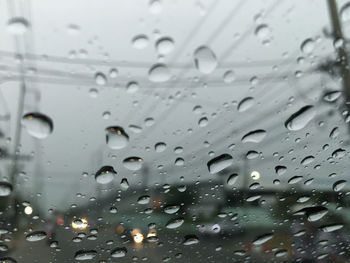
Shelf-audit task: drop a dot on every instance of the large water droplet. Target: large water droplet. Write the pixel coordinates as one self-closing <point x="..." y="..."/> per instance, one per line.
<point x="100" y="79"/>
<point x="262" y="239"/>
<point x="280" y="169"/>
<point x="133" y="163"/>
<point x="132" y="87"/>
<point x="232" y="179"/>
<point x="116" y="137"/>
<point x="307" y="160"/>
<point x="5" y="189"/>
<point x="263" y="32"/>
<point x="254" y="136"/>
<point x="124" y="184"/>
<point x="17" y="25"/>
<point x="144" y="200"/>
<point x="315" y="213"/>
<point x="171" y="209"/>
<point x="205" y="60"/>
<point x="165" y="45"/>
<point x="331" y="96"/>
<point x="140" y="41"/>
<point x="331" y="227"/>
<point x="175" y="223"/>
<point x="300" y="119"/>
<point x="159" y="73"/>
<point x="36" y="236"/>
<point x="105" y="175"/>
<point x="219" y="163"/>
<point x="190" y="240"/>
<point x="229" y="76"/>
<point x="37" y="125"/>
<point x="119" y="252"/>
<point x="85" y="254"/>
<point x="338" y="185"/>
<point x="160" y="147"/>
<point x="245" y="104"/>
<point x="307" y="46"/>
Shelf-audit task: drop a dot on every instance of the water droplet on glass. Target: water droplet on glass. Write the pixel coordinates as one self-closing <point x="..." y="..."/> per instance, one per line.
<point x="17" y="25"/>
<point x="159" y="73"/>
<point x="37" y="125"/>
<point x="203" y="122"/>
<point x="36" y="236"/>
<point x="345" y="12"/>
<point x="190" y="240"/>
<point x="300" y="119"/>
<point x="165" y="45"/>
<point x="105" y="175"/>
<point x="307" y="46"/>
<point x="295" y="179"/>
<point x="175" y="223"/>
<point x="171" y="209"/>
<point x="338" y="185"/>
<point x="132" y="87"/>
<point x="339" y="153"/>
<point x="280" y="169"/>
<point x="307" y="160"/>
<point x="219" y="163"/>
<point x="331" y="96"/>
<point x="85" y="254"/>
<point x="5" y="189"/>
<point x="160" y="147"/>
<point x="254" y="136"/>
<point x="100" y="79"/>
<point x="205" y="60"/>
<point x="124" y="184"/>
<point x="315" y="213"/>
<point x="133" y="163"/>
<point x="229" y="76"/>
<point x="245" y="104"/>
<point x="140" y="41"/>
<point x="116" y="137"/>
<point x="232" y="179"/>
<point x="262" y="239"/>
<point x="119" y="252"/>
<point x="144" y="200"/>
<point x="263" y="32"/>
<point x="331" y="227"/>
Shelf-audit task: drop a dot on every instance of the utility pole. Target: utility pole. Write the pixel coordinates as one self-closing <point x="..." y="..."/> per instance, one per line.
<point x="342" y="59"/>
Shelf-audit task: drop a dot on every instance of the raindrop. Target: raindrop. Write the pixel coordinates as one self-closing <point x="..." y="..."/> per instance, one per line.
<point x="140" y="41"/>
<point x="205" y="60"/>
<point x="307" y="46"/>
<point x="263" y="32"/>
<point x="116" y="137"/>
<point x="132" y="87"/>
<point x="17" y="25"/>
<point x="338" y="185"/>
<point x="245" y="104"/>
<point x="339" y="153"/>
<point x="300" y="119"/>
<point x="144" y="200"/>
<point x="37" y="125"/>
<point x="124" y="184"/>
<point x="229" y="76"/>
<point x="159" y="73"/>
<point x="307" y="160"/>
<point x="5" y="189"/>
<point x="85" y="254"/>
<point x="252" y="155"/>
<point x="100" y="79"/>
<point x="105" y="175"/>
<point x="36" y="236"/>
<point x="119" y="252"/>
<point x="331" y="227"/>
<point x="165" y="45"/>
<point x="280" y="170"/>
<point x="331" y="96"/>
<point x="160" y="147"/>
<point x="345" y="12"/>
<point x="203" y="122"/>
<point x="232" y="179"/>
<point x="219" y="163"/>
<point x="315" y="213"/>
<point x="254" y="136"/>
<point x="190" y="240"/>
<point x="133" y="163"/>
<point x="295" y="179"/>
<point x="171" y="209"/>
<point x="175" y="223"/>
<point x="262" y="239"/>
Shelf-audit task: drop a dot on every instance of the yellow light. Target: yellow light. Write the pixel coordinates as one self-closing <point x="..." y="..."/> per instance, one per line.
<point x="255" y="175"/>
<point x="28" y="210"/>
<point x="138" y="238"/>
<point x="80" y="224"/>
